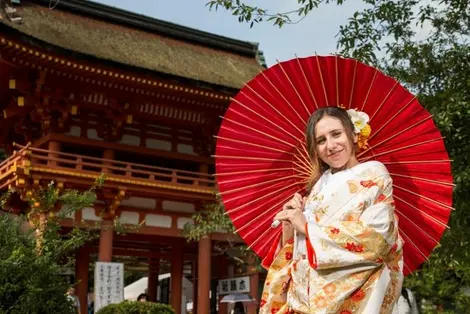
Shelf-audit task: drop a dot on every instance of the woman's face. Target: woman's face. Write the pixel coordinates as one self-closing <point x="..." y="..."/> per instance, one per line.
<point x="333" y="145"/>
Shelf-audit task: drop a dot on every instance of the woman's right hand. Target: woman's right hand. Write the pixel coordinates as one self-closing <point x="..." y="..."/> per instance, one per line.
<point x="296" y="202"/>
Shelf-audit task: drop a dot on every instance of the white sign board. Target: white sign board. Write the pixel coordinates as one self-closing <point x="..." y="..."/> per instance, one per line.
<point x="109" y="284"/>
<point x="234" y="285"/>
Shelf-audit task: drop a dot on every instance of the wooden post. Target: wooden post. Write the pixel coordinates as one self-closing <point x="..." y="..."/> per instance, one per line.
<point x="223" y="273"/>
<point x="106" y="241"/>
<point x="254" y="288"/>
<point x="54" y="147"/>
<point x="81" y="276"/>
<point x="195" y="285"/>
<point x="203" y="168"/>
<point x="177" y="254"/>
<point x="204" y="275"/>
<point x="154" y="269"/>
<point x="107" y="154"/>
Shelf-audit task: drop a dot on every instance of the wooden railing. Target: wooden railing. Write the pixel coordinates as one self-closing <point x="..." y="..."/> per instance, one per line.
<point x="7" y="167"/>
<point x="80" y="163"/>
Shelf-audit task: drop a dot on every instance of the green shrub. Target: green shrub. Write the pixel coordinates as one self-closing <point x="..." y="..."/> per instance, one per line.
<point x="28" y="283"/>
<point x="134" y="307"/>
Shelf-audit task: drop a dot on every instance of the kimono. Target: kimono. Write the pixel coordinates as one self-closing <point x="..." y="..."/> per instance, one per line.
<point x="350" y="260"/>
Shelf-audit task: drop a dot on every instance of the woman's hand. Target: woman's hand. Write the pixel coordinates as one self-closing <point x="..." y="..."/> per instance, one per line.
<point x="292" y="212"/>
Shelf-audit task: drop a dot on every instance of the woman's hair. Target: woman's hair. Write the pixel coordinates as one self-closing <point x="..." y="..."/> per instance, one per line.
<point x="142" y="296"/>
<point x="336" y="112"/>
<point x="239" y="305"/>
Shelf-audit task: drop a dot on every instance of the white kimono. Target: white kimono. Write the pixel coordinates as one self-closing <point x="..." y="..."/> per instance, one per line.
<point x="350" y="260"/>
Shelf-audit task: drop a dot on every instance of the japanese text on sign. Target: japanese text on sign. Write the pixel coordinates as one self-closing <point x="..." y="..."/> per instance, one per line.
<point x="109" y="282"/>
<point x="234" y="285"/>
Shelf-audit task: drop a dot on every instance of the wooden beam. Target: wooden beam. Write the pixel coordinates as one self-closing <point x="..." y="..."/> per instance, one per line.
<point x="152" y="231"/>
<point x="136" y="190"/>
<point x="146" y="253"/>
<point x="143" y="230"/>
<point x="90" y="73"/>
<point x="120" y="147"/>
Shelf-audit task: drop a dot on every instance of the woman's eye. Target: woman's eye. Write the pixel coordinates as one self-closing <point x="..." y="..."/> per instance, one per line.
<point x="337" y="134"/>
<point x="320" y="142"/>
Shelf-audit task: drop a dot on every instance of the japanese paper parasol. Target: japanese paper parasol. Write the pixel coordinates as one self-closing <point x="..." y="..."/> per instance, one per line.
<point x="262" y="160"/>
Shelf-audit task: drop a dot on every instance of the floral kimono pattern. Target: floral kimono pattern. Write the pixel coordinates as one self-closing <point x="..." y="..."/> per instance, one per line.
<point x="350" y="260"/>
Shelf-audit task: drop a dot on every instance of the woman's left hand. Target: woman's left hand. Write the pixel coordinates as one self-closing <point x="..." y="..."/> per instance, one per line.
<point x="295" y="217"/>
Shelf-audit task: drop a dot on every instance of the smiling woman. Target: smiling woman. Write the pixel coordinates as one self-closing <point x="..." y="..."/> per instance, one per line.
<point x="331" y="257"/>
<point x="340" y="249"/>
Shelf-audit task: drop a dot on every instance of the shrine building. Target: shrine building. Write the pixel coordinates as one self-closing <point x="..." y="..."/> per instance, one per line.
<point x="87" y="89"/>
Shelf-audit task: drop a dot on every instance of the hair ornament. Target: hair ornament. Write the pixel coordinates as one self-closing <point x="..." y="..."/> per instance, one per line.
<point x="362" y="128"/>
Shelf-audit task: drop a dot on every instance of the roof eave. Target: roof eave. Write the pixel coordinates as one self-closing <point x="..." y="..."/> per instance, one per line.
<point x="35" y="42"/>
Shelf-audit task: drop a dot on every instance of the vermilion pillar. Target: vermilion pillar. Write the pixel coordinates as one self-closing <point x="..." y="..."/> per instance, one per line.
<point x="195" y="285"/>
<point x="107" y="154"/>
<point x="81" y="276"/>
<point x="204" y="275"/>
<point x="154" y="269"/>
<point x="222" y="273"/>
<point x="106" y="241"/>
<point x="177" y="254"/>
<point x="53" y="146"/>
<point x="254" y="288"/>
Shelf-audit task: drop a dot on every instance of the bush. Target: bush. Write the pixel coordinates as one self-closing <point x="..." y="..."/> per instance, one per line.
<point x="30" y="262"/>
<point x="28" y="283"/>
<point x="134" y="307"/>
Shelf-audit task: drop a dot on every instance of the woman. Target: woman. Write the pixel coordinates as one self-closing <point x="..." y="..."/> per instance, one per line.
<point x="340" y="251"/>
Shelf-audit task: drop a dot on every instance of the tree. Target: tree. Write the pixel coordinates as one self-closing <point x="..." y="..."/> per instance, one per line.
<point x="29" y="283"/>
<point x="31" y="257"/>
<point x="435" y="67"/>
<point x="255" y="14"/>
<point x="212" y="219"/>
<point x="44" y="203"/>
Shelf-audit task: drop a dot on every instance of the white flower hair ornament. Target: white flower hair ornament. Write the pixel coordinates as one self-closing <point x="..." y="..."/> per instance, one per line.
<point x="362" y="128"/>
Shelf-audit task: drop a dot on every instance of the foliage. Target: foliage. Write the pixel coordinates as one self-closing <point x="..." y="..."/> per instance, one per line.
<point x="255" y="14"/>
<point x="28" y="283"/>
<point x="214" y="219"/>
<point x="31" y="259"/>
<point x="33" y="251"/>
<point x="44" y="216"/>
<point x="134" y="307"/>
<point x="49" y="198"/>
<point x="425" y="44"/>
<point x="435" y="69"/>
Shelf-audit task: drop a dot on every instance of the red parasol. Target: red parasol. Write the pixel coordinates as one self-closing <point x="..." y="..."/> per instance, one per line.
<point x="261" y="157"/>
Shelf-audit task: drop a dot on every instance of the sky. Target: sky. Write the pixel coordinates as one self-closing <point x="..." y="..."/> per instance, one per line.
<point x="314" y="34"/>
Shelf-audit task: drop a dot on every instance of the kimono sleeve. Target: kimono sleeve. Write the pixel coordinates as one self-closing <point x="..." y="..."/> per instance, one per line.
<point x="363" y="241"/>
<point x="278" y="255"/>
